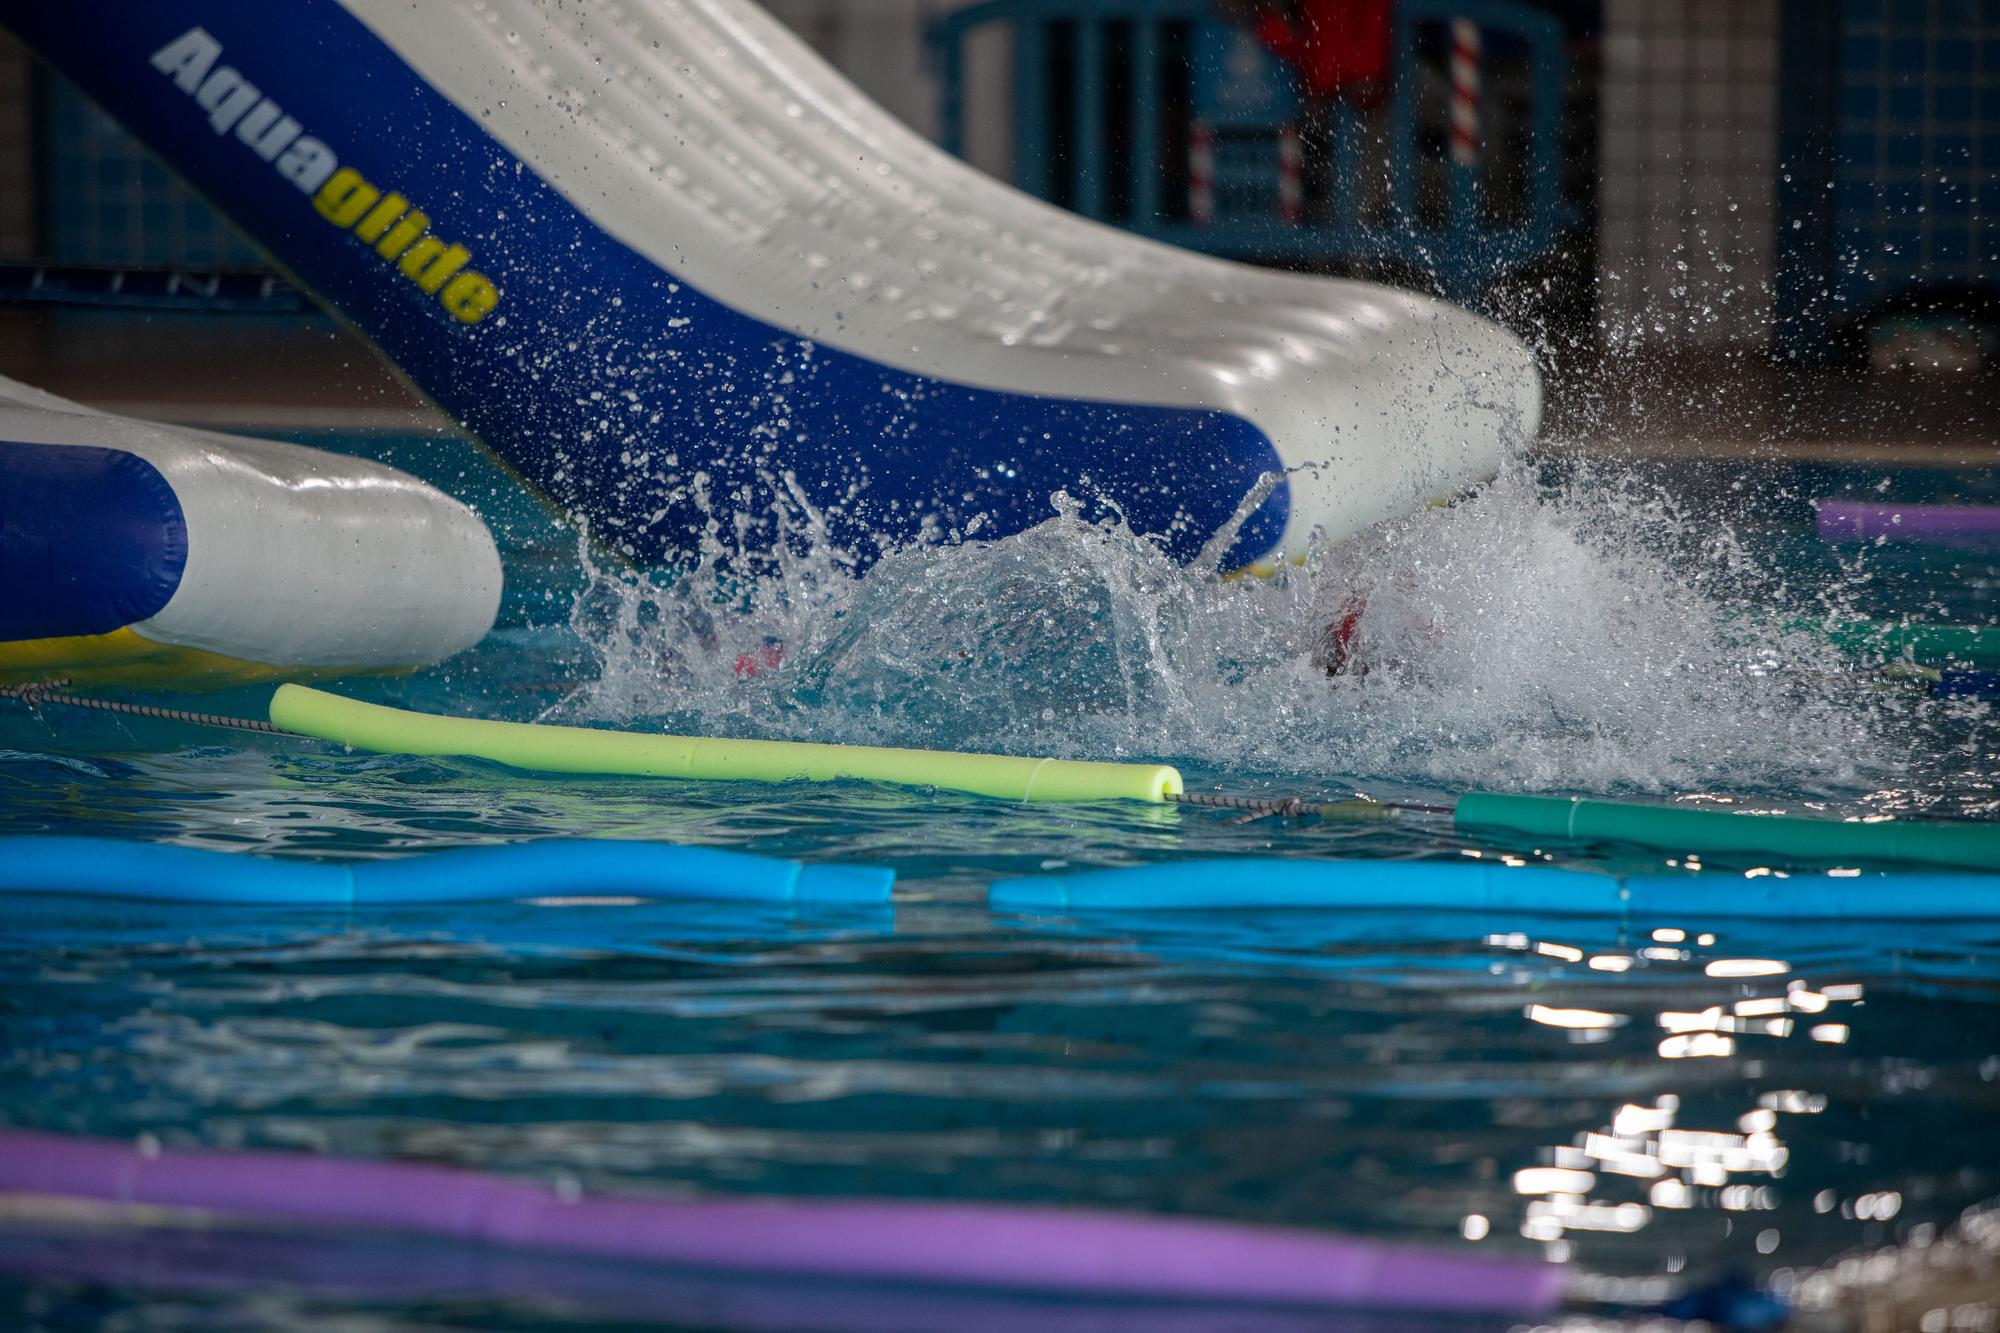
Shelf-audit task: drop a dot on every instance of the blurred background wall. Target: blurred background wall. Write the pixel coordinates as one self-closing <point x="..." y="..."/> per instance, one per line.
<point x="1802" y="178"/>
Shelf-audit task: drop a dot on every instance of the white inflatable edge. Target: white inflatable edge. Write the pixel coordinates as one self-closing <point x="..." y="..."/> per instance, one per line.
<point x="709" y="139"/>
<point x="296" y="557"/>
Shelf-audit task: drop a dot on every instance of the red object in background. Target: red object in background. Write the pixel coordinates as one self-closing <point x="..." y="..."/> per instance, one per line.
<point x="1340" y="646"/>
<point x="1338" y="48"/>
<point x="1291" y="184"/>
<point x="1201" y="174"/>
<point x="749" y="664"/>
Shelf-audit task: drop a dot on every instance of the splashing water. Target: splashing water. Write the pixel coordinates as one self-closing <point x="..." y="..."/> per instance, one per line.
<point x="1591" y="636"/>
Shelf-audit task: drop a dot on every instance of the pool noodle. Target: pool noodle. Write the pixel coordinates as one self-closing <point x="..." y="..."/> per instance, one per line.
<point x="1962" y="846"/>
<point x="1931" y="645"/>
<point x="590" y="750"/>
<point x="553" y="749"/>
<point x="553" y="868"/>
<point x="1855" y="520"/>
<point x="986" y="1245"/>
<point x="1470" y="886"/>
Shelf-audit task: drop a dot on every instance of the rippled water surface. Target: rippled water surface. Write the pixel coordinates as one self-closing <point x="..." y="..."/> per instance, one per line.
<point x="1739" y="1096"/>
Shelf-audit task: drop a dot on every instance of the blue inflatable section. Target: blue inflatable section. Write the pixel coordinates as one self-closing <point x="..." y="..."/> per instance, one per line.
<point x="1458" y="886"/>
<point x="557" y="868"/>
<point x="569" y="354"/>
<point x="91" y="540"/>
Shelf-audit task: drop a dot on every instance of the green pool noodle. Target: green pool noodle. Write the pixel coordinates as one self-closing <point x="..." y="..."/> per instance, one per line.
<point x="1715" y="832"/>
<point x="553" y="749"/>
<point x="1976" y="646"/>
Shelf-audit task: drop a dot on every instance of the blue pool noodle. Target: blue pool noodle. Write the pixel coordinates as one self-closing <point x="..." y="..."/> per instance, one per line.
<point x="569" y="867"/>
<point x="1475" y="886"/>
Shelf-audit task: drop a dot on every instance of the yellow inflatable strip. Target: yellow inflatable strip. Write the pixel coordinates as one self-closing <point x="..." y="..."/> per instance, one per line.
<point x="124" y="657"/>
<point x="551" y="749"/>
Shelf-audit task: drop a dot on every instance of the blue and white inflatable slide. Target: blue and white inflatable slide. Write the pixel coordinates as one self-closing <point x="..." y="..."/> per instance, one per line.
<point x="138" y="553"/>
<point x="679" y="275"/>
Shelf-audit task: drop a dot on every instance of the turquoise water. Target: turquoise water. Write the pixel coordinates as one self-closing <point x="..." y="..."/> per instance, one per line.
<point x="1598" y="631"/>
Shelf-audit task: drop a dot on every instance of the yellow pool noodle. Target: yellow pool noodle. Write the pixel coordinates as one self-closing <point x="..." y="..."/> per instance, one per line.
<point x="552" y="749"/>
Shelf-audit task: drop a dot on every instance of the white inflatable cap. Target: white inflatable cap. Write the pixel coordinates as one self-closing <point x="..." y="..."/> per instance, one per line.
<point x="294" y="557"/>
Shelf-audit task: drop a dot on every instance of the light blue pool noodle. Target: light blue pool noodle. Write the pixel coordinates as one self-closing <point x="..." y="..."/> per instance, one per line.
<point x="1484" y="886"/>
<point x="568" y="867"/>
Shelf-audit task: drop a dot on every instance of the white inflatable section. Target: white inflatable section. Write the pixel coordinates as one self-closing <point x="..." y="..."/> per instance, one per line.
<point x="709" y="139"/>
<point x="296" y="556"/>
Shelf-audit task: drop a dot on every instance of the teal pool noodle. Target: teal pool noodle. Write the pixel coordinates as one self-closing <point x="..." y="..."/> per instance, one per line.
<point x="1958" y="846"/>
<point x="554" y="868"/>
<point x="1486" y="886"/>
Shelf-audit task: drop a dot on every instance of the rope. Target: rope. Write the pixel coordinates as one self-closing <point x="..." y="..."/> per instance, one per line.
<point x="1293" y="807"/>
<point x="1250" y="808"/>
<point x="1255" y="808"/>
<point x="1213" y="802"/>
<point x="37" y="696"/>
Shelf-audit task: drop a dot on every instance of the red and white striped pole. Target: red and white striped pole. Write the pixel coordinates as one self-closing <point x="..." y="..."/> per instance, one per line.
<point x="1201" y="173"/>
<point x="1464" y="92"/>
<point x="1291" y="189"/>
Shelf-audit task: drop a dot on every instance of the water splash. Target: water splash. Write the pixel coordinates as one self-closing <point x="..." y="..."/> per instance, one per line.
<point x="1590" y="636"/>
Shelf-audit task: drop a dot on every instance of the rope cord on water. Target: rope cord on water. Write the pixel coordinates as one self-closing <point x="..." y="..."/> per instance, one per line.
<point x="1254" y="808"/>
<point x="1536" y="821"/>
<point x="37" y="696"/>
<point x="1259" y="804"/>
<point x="1249" y="808"/>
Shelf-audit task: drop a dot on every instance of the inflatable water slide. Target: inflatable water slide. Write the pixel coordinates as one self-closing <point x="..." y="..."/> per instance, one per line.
<point x="691" y="285"/>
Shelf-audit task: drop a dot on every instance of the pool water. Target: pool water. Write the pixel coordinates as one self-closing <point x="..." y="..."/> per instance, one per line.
<point x="1578" y="629"/>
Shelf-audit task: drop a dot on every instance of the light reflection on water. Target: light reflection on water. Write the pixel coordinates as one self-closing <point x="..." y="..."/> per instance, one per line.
<point x="1647" y="1102"/>
<point x="1374" y="1072"/>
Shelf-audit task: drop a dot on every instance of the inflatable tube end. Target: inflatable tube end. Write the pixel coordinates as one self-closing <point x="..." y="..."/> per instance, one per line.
<point x="94" y="540"/>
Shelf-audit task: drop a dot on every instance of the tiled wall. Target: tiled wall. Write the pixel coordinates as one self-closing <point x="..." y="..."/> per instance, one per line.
<point x="17" y="209"/>
<point x="110" y="201"/>
<point x="1688" y="162"/>
<point x="880" y="45"/>
<point x="1917" y="188"/>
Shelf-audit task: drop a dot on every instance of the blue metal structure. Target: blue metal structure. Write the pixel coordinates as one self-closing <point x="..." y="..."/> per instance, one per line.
<point x="1460" y="244"/>
<point x="1246" y="99"/>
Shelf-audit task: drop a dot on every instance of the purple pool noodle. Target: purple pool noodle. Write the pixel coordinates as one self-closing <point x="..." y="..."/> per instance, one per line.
<point x="1854" y="520"/>
<point x="395" y="1267"/>
<point x="1002" y="1246"/>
